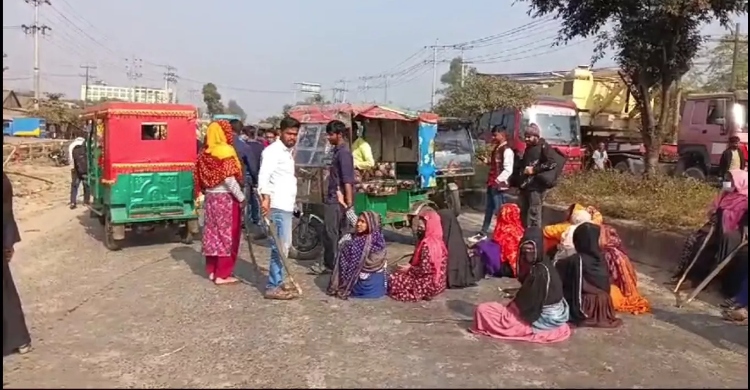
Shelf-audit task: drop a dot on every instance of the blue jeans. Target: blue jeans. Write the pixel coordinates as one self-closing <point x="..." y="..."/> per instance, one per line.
<point x="253" y="207"/>
<point x="75" y="182"/>
<point x="495" y="200"/>
<point x="283" y="221"/>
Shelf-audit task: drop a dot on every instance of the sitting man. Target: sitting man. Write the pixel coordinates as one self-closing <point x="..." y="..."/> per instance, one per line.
<point x="361" y="150"/>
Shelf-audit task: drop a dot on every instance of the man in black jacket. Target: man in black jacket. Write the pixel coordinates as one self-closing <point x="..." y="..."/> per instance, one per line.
<point x="79" y="175"/>
<point x="538" y="158"/>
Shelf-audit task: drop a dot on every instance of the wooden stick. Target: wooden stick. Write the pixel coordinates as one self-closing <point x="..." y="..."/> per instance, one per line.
<point x="279" y="248"/>
<point x="695" y="258"/>
<point x="713" y="273"/>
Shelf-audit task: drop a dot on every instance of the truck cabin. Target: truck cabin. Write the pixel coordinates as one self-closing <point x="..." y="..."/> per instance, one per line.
<point x="558" y="122"/>
<point x="707" y="123"/>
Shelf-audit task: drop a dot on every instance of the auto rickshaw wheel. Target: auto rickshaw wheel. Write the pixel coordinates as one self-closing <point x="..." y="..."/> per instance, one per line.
<point x="109" y="238"/>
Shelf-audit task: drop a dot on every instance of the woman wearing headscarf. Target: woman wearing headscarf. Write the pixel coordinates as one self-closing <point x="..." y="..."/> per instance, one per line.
<point x="16" y="336"/>
<point x="425" y="275"/>
<point x="553" y="233"/>
<point x="586" y="281"/>
<point x="464" y="270"/>
<point x="728" y="217"/>
<point x="566" y="247"/>
<point x="538" y="313"/>
<point x="360" y="269"/>
<point x="624" y="289"/>
<point x="218" y="175"/>
<point x="500" y="254"/>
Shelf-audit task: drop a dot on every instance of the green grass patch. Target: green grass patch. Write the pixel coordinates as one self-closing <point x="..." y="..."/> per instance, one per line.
<point x="669" y="203"/>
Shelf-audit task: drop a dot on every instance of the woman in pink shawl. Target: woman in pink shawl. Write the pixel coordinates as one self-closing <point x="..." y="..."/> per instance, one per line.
<point x="425" y="275"/>
<point x="727" y="215"/>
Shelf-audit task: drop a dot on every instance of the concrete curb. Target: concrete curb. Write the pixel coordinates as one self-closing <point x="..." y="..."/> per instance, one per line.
<point x="655" y="248"/>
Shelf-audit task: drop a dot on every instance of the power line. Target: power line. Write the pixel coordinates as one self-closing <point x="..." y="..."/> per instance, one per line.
<point x="170" y="77"/>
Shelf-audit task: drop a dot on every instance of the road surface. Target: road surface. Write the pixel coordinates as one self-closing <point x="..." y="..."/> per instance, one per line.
<point x="146" y="317"/>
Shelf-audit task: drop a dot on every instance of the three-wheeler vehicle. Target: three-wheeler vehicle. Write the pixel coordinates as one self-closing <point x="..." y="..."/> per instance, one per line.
<point x="141" y="159"/>
<point x="402" y="184"/>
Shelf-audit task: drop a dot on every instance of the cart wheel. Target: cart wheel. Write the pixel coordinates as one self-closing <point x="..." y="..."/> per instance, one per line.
<point x="453" y="201"/>
<point x="109" y="240"/>
<point x="185" y="236"/>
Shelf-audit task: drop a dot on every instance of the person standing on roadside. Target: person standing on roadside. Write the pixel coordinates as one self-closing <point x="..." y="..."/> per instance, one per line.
<point x="538" y="158"/>
<point x="79" y="176"/>
<point x="732" y="158"/>
<point x="277" y="185"/>
<point x="16" y="338"/>
<point x="340" y="180"/>
<point x="500" y="162"/>
<point x="600" y="157"/>
<point x="254" y="150"/>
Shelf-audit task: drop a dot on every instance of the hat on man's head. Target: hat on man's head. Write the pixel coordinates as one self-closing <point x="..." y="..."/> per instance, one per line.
<point x="533" y="129"/>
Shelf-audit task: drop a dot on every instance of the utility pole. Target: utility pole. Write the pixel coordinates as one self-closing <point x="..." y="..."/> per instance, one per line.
<point x="463" y="68"/>
<point x="385" y="89"/>
<point x="339" y="93"/>
<point x="434" y="73"/>
<point x="87" y="74"/>
<point x="735" y="57"/>
<point x="36" y="29"/>
<point x="133" y="71"/>
<point x="193" y="93"/>
<point x="170" y="77"/>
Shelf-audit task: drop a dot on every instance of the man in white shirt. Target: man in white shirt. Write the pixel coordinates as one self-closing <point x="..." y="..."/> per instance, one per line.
<point x="600" y="157"/>
<point x="277" y="186"/>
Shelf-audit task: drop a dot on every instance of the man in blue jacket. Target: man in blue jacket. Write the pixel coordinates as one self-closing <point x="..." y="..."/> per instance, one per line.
<point x="254" y="150"/>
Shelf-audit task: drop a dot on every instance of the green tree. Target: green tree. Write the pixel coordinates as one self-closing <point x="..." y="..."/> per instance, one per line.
<point x="452" y="78"/>
<point x="62" y="115"/>
<point x="716" y="75"/>
<point x="653" y="42"/>
<point x="212" y="98"/>
<point x="234" y="108"/>
<point x="482" y="94"/>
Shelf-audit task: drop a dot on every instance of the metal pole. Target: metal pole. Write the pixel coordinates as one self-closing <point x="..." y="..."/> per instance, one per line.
<point x="434" y="75"/>
<point x="735" y="58"/>
<point x="385" y="92"/>
<point x="87" y="75"/>
<point x="37" y="80"/>
<point x="463" y="68"/>
<point x="343" y="97"/>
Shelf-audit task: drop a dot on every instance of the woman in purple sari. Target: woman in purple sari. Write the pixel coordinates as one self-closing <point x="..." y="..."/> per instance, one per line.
<point x="360" y="269"/>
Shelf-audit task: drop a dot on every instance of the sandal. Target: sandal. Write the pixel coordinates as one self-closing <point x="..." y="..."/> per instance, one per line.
<point x="279" y="294"/>
<point x="738" y="316"/>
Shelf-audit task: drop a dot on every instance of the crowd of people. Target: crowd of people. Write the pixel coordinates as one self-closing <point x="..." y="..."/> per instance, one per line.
<point x="574" y="273"/>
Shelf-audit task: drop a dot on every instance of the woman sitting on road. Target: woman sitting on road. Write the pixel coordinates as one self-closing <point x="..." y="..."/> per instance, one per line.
<point x="218" y="175"/>
<point x="728" y="219"/>
<point x="500" y="254"/>
<point x="553" y="234"/>
<point x="425" y="276"/>
<point x="464" y="270"/>
<point x="360" y="269"/>
<point x="566" y="248"/>
<point x="538" y="313"/>
<point x="586" y="281"/>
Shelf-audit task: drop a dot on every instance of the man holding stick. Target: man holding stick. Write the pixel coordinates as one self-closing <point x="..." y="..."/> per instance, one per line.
<point x="277" y="186"/>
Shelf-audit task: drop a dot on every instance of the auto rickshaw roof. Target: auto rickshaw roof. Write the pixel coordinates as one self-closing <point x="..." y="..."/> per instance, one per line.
<point x="142" y="109"/>
<point x="346" y="111"/>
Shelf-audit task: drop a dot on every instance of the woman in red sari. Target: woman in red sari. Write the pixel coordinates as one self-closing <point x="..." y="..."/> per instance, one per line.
<point x="425" y="275"/>
<point x="508" y="233"/>
<point x="218" y="175"/>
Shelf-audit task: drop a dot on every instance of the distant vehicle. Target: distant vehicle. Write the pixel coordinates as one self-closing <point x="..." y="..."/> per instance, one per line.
<point x="25" y="127"/>
<point x="557" y="120"/>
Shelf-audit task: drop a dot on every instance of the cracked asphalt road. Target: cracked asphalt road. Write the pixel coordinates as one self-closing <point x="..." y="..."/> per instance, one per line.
<point x="145" y="317"/>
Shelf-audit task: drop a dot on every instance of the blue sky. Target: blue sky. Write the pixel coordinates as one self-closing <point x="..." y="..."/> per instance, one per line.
<point x="255" y="51"/>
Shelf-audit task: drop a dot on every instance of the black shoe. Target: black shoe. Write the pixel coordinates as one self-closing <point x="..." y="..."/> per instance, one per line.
<point x="73" y="206"/>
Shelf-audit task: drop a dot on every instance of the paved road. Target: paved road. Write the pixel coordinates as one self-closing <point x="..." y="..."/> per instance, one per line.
<point x="146" y="318"/>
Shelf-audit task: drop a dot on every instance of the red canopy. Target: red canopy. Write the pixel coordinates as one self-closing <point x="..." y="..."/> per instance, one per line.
<point x="346" y="112"/>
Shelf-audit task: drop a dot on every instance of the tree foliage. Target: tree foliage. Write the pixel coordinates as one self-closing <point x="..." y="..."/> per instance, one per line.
<point x="716" y="74"/>
<point x="654" y="42"/>
<point x="235" y="109"/>
<point x="452" y="78"/>
<point x="63" y="116"/>
<point x="212" y="98"/>
<point x="481" y="94"/>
